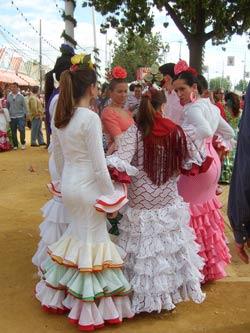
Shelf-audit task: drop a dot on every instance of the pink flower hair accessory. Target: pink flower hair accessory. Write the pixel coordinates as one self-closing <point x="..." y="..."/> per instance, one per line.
<point x="181" y="66"/>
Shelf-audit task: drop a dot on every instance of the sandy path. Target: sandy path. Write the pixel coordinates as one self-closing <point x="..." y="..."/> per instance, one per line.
<point x="226" y="309"/>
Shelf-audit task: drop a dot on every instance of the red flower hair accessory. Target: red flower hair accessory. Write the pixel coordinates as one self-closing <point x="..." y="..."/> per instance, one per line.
<point x="119" y="72"/>
<point x="182" y="66"/>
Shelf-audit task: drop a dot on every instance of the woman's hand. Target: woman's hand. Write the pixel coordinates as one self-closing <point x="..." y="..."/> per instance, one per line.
<point x="112" y="215"/>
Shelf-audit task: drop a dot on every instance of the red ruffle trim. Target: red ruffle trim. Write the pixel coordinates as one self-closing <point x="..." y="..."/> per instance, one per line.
<point x="196" y="169"/>
<point x="54" y="311"/>
<point x="119" y="176"/>
<point x="94" y="327"/>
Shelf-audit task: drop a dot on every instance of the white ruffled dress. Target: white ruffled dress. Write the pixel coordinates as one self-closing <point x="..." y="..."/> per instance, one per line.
<point x="162" y="263"/>
<point x="83" y="274"/>
<point x="55" y="216"/>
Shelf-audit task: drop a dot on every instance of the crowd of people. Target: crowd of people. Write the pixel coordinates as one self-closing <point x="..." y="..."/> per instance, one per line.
<point x="149" y="159"/>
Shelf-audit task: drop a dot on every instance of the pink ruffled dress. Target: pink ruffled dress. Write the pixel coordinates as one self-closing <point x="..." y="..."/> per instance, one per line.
<point x="203" y="121"/>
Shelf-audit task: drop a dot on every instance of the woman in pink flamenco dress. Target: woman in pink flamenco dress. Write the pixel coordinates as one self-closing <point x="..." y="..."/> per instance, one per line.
<point x="115" y="119"/>
<point x="198" y="187"/>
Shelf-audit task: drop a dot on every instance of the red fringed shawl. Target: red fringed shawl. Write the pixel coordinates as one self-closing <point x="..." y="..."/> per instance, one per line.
<point x="164" y="151"/>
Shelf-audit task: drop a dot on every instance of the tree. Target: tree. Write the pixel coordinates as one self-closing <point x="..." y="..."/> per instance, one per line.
<point x="198" y="20"/>
<point x="242" y="85"/>
<point x="137" y="52"/>
<point x="220" y="82"/>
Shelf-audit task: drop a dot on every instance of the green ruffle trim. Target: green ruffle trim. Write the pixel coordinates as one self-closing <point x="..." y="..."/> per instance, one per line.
<point x="86" y="286"/>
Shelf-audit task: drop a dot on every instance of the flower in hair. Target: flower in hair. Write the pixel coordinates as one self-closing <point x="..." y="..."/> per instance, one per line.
<point x="119" y="72"/>
<point x="81" y="61"/>
<point x="182" y="66"/>
<point x="154" y="75"/>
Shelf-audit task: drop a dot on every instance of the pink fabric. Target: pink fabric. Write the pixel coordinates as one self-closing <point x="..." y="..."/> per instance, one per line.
<point x="206" y="219"/>
<point x="115" y="123"/>
<point x="4" y="142"/>
<point x="173" y="109"/>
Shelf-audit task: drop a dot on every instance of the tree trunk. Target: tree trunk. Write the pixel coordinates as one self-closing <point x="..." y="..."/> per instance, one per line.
<point x="69" y="26"/>
<point x="196" y="46"/>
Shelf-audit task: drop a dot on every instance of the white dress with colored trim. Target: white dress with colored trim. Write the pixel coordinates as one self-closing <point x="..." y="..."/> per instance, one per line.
<point x="83" y="274"/>
<point x="162" y="263"/>
<point x="55" y="216"/>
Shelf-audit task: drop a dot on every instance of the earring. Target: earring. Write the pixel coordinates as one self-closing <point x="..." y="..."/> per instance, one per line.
<point x="193" y="97"/>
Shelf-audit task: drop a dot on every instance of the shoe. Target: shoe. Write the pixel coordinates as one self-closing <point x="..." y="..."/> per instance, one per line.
<point x="42" y="144"/>
<point x="35" y="145"/>
<point x="23" y="147"/>
<point x="15" y="148"/>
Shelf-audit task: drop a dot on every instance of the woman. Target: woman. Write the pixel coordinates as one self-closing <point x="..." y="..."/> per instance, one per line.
<point x="202" y="121"/>
<point x="162" y="263"/>
<point x="36" y="114"/>
<point x="233" y="117"/>
<point x="4" y="125"/>
<point x="84" y="275"/>
<point x="115" y="118"/>
<point x="56" y="217"/>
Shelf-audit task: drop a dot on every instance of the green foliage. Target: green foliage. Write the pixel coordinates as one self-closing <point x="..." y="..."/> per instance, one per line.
<point x="132" y="53"/>
<point x="242" y="85"/>
<point x="220" y="82"/>
<point x="198" y="20"/>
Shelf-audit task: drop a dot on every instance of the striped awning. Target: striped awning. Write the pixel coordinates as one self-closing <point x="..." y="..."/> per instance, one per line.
<point x="7" y="76"/>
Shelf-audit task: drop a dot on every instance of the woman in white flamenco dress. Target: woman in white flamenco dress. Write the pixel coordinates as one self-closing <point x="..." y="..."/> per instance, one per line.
<point x="162" y="263"/>
<point x="83" y="275"/>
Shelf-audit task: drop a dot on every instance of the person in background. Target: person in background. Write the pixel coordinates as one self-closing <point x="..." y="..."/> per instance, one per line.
<point x="36" y="115"/>
<point x="134" y="99"/>
<point x="219" y="102"/>
<point x="18" y="110"/>
<point x="4" y="125"/>
<point x="103" y="99"/>
<point x="173" y="108"/>
<point x="239" y="194"/>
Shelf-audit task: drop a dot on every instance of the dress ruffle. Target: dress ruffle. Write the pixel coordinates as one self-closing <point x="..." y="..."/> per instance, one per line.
<point x="87" y="315"/>
<point x="208" y="225"/>
<point x="121" y="165"/>
<point x="113" y="203"/>
<point x="55" y="223"/>
<point x="86" y="257"/>
<point x="162" y="264"/>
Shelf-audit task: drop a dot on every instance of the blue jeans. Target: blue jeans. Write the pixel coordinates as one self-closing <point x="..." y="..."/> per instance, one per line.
<point x="36" y="131"/>
<point x="18" y="124"/>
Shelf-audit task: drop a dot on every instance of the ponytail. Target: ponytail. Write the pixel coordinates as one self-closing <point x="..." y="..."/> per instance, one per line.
<point x="65" y="105"/>
<point x="146" y="116"/>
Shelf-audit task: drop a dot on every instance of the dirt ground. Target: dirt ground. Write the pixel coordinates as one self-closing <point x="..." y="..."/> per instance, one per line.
<point x="225" y="310"/>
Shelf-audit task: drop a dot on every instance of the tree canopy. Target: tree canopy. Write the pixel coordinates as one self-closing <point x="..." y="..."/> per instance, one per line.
<point x="137" y="52"/>
<point x="242" y="85"/>
<point x="220" y="82"/>
<point x="198" y="20"/>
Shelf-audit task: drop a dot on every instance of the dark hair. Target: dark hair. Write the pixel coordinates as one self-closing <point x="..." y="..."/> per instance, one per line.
<point x="15" y="84"/>
<point x="189" y="78"/>
<point x="35" y="89"/>
<point x="138" y="85"/>
<point x="202" y="84"/>
<point x="62" y="63"/>
<point x="114" y="82"/>
<point x="132" y="87"/>
<point x="150" y="104"/>
<point x="167" y="69"/>
<point x="1" y="93"/>
<point x="233" y="102"/>
<point x="73" y="86"/>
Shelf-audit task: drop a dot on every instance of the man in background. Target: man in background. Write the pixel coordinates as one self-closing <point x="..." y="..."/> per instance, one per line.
<point x="18" y="110"/>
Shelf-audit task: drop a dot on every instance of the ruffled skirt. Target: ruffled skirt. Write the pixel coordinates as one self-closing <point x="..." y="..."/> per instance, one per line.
<point x="5" y="144"/>
<point x="162" y="264"/>
<point x="208" y="225"/>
